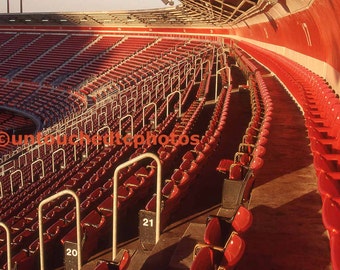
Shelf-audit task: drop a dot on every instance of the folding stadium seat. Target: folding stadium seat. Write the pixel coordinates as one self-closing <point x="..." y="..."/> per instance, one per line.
<point x="256" y="164"/>
<point x="134" y="182"/>
<point x="23" y="260"/>
<point x="224" y="165"/>
<point x="181" y="179"/>
<point x="236" y="171"/>
<point x="204" y="260"/>
<point x="335" y="251"/>
<point x="321" y="164"/>
<point x="330" y="216"/>
<point x="219" y="229"/>
<point x="190" y="167"/>
<point x="233" y="252"/>
<point x="259" y="151"/>
<point x="197" y="156"/>
<point x="219" y="258"/>
<point x="328" y="187"/>
<point x="121" y="262"/>
<point x="217" y="232"/>
<point x="140" y="183"/>
<point x="106" y="206"/>
<point x="148" y="173"/>
<point x="171" y="198"/>
<point x="92" y="199"/>
<point x="247" y="147"/>
<point x="92" y="227"/>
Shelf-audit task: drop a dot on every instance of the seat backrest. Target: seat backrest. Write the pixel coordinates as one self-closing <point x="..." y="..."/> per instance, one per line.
<point x="327" y="186"/>
<point x="233" y="252"/>
<point x="335" y="251"/>
<point x="259" y="151"/>
<point x="256" y="163"/>
<point x="243" y="219"/>
<point x="321" y="164"/>
<point x="213" y="233"/>
<point x="125" y="261"/>
<point x="203" y="260"/>
<point x="331" y="216"/>
<point x="235" y="171"/>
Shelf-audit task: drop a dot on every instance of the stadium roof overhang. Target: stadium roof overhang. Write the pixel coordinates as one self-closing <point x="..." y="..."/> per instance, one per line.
<point x="190" y="13"/>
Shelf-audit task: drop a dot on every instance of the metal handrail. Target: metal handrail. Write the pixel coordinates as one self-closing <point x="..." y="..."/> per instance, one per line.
<point x="179" y="102"/>
<point x="115" y="199"/>
<point x="42" y="168"/>
<point x="41" y="236"/>
<point x="8" y="245"/>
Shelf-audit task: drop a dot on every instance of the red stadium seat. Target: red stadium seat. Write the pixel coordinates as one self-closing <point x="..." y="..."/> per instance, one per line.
<point x="121" y="262"/>
<point x="233" y="252"/>
<point x="204" y="260"/>
<point x="330" y="216"/>
<point x="328" y="187"/>
<point x="219" y="229"/>
<point x="335" y="251"/>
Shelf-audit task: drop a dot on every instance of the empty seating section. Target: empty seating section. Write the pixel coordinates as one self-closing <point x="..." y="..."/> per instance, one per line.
<point x="143" y="63"/>
<point x="63" y="49"/>
<point x="59" y="63"/>
<point x="79" y="58"/>
<point x="12" y="123"/>
<point x="99" y="46"/>
<point x="321" y="107"/>
<point x="27" y="54"/>
<point x="41" y="101"/>
<point x="126" y="48"/>
<point x="15" y="44"/>
<point x="223" y="245"/>
<point x="52" y="76"/>
<point x="249" y="158"/>
<point x="189" y="162"/>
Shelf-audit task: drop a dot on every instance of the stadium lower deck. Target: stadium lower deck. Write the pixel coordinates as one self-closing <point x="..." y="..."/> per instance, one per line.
<point x="99" y="83"/>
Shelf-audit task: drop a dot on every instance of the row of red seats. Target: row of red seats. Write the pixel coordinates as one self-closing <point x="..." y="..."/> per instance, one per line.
<point x="252" y="147"/>
<point x="175" y="187"/>
<point x="192" y="161"/>
<point x="13" y="42"/>
<point x="321" y="107"/>
<point x="122" y="50"/>
<point x="98" y="45"/>
<point x="140" y="65"/>
<point x="47" y="104"/>
<point x="224" y="250"/>
<point x="26" y="54"/>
